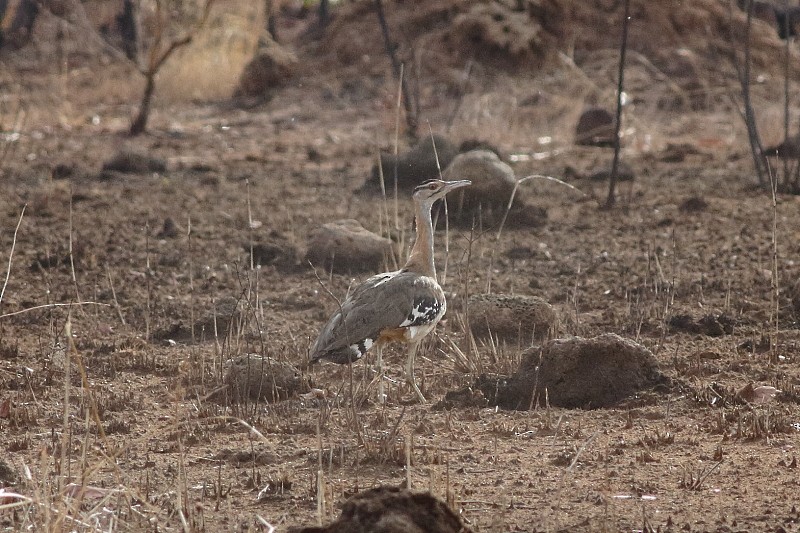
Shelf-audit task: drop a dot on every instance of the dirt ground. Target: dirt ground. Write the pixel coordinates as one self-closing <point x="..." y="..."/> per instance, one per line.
<point x="134" y="417"/>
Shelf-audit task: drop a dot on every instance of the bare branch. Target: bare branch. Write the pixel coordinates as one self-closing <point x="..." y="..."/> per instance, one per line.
<point x="612" y="181"/>
<point x="11" y="255"/>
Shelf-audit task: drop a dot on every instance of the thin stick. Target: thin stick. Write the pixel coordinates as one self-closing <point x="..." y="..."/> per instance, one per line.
<point x="397" y="142"/>
<point x="191" y="274"/>
<point x="786" y="88"/>
<point x="446" y="214"/>
<point x="397" y="68"/>
<point x="408" y="460"/>
<point x="147" y="277"/>
<point x="520" y="182"/>
<point x="71" y="255"/>
<point x="48" y="306"/>
<point x="11" y="255"/>
<point x="612" y="182"/>
<point x="114" y="296"/>
<point x="65" y="421"/>
<point x="249" y="223"/>
<point x="775" y="285"/>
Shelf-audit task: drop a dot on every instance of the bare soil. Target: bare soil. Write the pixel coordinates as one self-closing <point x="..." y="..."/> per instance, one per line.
<point x="134" y="415"/>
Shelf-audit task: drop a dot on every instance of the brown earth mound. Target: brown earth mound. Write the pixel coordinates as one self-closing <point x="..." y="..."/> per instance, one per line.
<point x="577" y="373"/>
<point x="393" y="510"/>
<point x="258" y="377"/>
<point x="347" y="245"/>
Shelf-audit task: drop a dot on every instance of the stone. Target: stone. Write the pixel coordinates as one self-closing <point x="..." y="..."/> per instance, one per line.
<point x="493" y="180"/>
<point x="345" y="245"/>
<point x="595" y="128"/>
<point x="392" y="510"/>
<point x="257" y="377"/>
<point x="577" y="372"/>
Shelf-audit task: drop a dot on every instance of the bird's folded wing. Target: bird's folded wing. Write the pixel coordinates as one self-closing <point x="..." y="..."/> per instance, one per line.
<point x="376" y="305"/>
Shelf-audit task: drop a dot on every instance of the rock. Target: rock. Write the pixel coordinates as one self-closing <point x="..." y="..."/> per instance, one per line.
<point x="577" y="373"/>
<point x="272" y="67"/>
<point x="493" y="182"/>
<point x="345" y="245"/>
<point x="595" y="128"/>
<point x="392" y="510"/>
<point x="413" y="167"/>
<point x="257" y="377"/>
<point x="282" y="255"/>
<point x="129" y="162"/>
<point x="624" y="172"/>
<point x="511" y="317"/>
<point x="713" y="325"/>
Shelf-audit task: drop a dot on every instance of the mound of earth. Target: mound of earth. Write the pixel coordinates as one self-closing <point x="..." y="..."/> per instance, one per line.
<point x="259" y="377"/>
<point x="576" y="372"/>
<point x="493" y="182"/>
<point x="393" y="510"/>
<point x="347" y="245"/>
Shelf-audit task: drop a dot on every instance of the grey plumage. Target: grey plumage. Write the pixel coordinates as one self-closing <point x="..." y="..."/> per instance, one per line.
<point x="384" y="302"/>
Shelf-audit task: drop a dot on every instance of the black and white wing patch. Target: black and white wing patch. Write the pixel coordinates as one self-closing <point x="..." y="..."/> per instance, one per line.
<point x="361" y="347"/>
<point x="426" y="310"/>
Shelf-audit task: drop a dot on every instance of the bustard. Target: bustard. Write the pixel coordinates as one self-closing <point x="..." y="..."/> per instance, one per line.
<point x="404" y="305"/>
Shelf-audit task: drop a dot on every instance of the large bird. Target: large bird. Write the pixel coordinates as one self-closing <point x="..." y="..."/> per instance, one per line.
<point x="401" y="306"/>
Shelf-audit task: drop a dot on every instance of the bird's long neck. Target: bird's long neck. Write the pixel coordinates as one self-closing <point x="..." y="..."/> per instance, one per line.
<point x="421" y="257"/>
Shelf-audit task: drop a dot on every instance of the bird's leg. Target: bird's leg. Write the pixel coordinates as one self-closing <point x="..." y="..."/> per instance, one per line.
<point x="412" y="352"/>
<point x="381" y="395"/>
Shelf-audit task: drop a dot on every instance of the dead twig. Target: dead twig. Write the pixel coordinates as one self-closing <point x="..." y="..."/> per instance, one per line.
<point x="612" y="181"/>
<point x="11" y="255"/>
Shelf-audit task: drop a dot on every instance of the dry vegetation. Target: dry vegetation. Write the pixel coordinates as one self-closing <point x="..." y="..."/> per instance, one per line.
<point x="124" y="295"/>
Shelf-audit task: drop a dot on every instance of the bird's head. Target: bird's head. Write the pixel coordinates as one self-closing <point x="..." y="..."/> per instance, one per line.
<point x="432" y="190"/>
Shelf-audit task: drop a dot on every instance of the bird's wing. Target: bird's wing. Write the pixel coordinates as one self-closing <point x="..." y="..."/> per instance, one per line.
<point x="386" y="301"/>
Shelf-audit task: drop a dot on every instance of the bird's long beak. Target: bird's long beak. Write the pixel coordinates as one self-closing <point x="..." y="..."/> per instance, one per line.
<point x="452" y="185"/>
